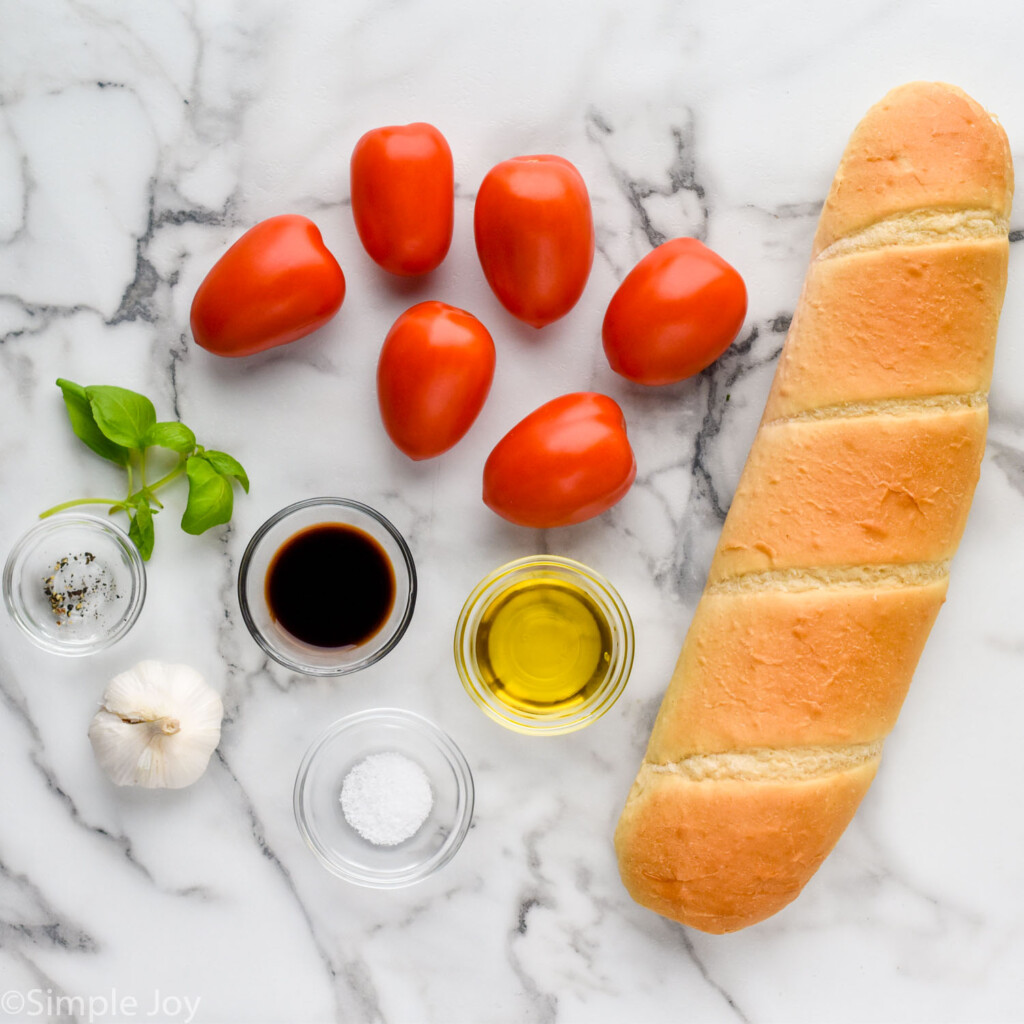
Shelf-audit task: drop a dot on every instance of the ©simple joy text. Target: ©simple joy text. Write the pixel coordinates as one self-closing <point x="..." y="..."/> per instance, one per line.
<point x="47" y="1004"/>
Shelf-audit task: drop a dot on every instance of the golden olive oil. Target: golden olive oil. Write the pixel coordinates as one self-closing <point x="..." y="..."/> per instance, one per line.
<point x="543" y="646"/>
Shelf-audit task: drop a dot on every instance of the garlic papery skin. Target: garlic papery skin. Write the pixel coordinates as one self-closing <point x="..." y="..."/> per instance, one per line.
<point x="157" y="726"/>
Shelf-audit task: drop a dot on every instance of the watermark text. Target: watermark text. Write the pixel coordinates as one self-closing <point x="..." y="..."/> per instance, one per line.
<point x="48" y="1004"/>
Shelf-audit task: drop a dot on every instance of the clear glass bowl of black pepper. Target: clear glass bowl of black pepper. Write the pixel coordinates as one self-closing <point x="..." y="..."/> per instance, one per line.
<point x="327" y="586"/>
<point x="74" y="584"/>
<point x="386" y="836"/>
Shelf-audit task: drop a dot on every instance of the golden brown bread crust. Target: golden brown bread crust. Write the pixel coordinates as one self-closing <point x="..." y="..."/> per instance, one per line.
<point x="832" y="562"/>
<point x="911" y="322"/>
<point x="924" y="145"/>
<point x="759" y="668"/>
<point x="723" y="854"/>
<point x="864" y="490"/>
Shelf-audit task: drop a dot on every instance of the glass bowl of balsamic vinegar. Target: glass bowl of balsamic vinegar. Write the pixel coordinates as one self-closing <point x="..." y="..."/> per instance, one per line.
<point x="327" y="586"/>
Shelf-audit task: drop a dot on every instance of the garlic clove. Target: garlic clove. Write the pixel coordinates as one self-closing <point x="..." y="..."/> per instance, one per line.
<point x="157" y="727"/>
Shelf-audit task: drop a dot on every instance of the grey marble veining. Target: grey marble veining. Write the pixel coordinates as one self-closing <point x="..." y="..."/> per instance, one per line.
<point x="138" y="141"/>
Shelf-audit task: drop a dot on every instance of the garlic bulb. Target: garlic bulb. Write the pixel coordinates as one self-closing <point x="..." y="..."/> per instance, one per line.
<point x="157" y="727"/>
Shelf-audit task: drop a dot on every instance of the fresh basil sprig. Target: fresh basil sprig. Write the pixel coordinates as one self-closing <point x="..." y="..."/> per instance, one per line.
<point x="121" y="425"/>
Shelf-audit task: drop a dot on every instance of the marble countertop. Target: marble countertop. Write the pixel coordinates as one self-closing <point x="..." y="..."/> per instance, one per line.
<point x="136" y="142"/>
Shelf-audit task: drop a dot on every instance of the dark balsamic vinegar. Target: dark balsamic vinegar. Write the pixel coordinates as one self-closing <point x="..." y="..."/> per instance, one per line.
<point x="331" y="585"/>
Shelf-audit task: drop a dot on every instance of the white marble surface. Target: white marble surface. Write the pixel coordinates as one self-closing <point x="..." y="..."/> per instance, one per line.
<point x="137" y="141"/>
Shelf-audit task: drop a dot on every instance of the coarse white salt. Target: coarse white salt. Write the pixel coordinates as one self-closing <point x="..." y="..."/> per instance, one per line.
<point x="386" y="798"/>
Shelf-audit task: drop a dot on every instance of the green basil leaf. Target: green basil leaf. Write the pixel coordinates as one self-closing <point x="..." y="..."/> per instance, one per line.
<point x="140" y="530"/>
<point x="227" y="465"/>
<point x="124" y="416"/>
<point x="173" y="435"/>
<point x="79" y="409"/>
<point x="210" y="500"/>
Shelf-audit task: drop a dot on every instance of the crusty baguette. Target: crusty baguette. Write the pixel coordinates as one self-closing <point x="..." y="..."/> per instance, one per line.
<point x="833" y="559"/>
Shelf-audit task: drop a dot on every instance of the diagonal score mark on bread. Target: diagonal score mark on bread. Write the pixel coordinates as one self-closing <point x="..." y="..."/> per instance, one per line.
<point x="816" y="577"/>
<point x="920" y="227"/>
<point x="759" y="764"/>
<point x="889" y="407"/>
<point x="834" y="557"/>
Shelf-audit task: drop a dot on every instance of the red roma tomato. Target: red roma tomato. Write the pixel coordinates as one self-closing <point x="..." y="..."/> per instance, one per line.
<point x="434" y="373"/>
<point x="403" y="197"/>
<point x="675" y="313"/>
<point x="277" y="283"/>
<point x="566" y="462"/>
<point x="535" y="236"/>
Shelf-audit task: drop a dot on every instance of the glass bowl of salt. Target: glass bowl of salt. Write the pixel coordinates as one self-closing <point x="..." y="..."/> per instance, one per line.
<point x="384" y="798"/>
<point x="74" y="584"/>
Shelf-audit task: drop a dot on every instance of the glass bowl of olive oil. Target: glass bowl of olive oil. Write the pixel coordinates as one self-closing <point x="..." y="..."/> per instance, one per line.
<point x="544" y="644"/>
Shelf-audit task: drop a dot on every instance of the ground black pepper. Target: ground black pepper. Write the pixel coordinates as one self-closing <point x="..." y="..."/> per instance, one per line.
<point x="75" y="591"/>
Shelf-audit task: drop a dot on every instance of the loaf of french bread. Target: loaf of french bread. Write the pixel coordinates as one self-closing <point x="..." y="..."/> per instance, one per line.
<point x="833" y="559"/>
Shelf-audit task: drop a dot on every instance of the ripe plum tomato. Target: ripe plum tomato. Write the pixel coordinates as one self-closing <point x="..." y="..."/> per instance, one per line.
<point x="277" y="283"/>
<point x="535" y="236"/>
<point x="403" y="197"/>
<point x="433" y="377"/>
<point x="674" y="314"/>
<point x="567" y="461"/>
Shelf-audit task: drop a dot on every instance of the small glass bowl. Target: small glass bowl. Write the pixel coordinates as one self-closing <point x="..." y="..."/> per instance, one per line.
<point x="277" y="641"/>
<point x="74" y="584"/>
<point x="337" y="845"/>
<point x="607" y="607"/>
